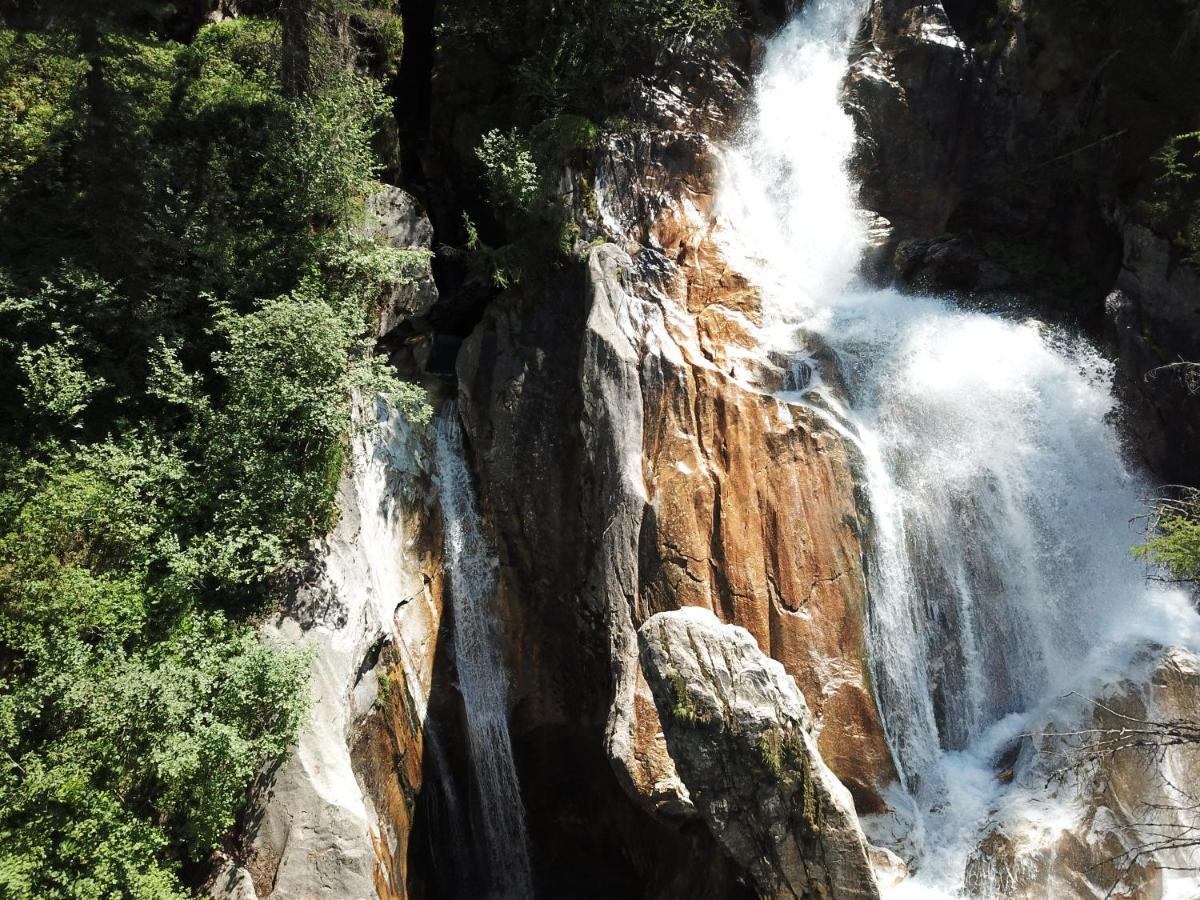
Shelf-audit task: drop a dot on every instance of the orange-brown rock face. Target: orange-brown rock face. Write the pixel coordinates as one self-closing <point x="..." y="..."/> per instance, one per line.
<point x="389" y="747"/>
<point x="750" y="508"/>
<point x="753" y="517"/>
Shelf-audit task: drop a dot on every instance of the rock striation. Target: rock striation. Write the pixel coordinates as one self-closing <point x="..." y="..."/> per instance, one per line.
<point x="741" y="735"/>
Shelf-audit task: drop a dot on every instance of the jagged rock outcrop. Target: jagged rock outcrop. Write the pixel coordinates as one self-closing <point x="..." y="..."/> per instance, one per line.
<point x="749" y="506"/>
<point x="1108" y="804"/>
<point x="741" y="735"/>
<point x="552" y="437"/>
<point x="744" y="503"/>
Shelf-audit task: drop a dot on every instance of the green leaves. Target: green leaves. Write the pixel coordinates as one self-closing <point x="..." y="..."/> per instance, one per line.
<point x="511" y="170"/>
<point x="37" y="83"/>
<point x="1174" y="541"/>
<point x="1173" y="202"/>
<point x="126" y="727"/>
<point x="55" y="380"/>
<point x="187" y="308"/>
<point x="575" y="57"/>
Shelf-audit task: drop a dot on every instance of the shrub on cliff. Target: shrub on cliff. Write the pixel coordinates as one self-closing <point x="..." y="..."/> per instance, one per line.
<point x="579" y="57"/>
<point x="1173" y="203"/>
<point x="526" y="81"/>
<point x="186" y="307"/>
<point x="1174" y="541"/>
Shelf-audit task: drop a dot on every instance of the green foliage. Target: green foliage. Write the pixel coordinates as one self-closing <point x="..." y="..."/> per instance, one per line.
<point x="125" y="727"/>
<point x="1173" y="205"/>
<point x="526" y="81"/>
<point x="522" y="173"/>
<point x="55" y="380"/>
<point x="38" y="78"/>
<point x="568" y="55"/>
<point x="187" y="307"/>
<point x="783" y="752"/>
<point x="512" y="173"/>
<point x="684" y="707"/>
<point x="384" y="698"/>
<point x="565" y="137"/>
<point x="1174" y="541"/>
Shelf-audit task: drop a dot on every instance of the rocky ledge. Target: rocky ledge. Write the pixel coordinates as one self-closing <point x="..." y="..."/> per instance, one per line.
<point x="742" y="739"/>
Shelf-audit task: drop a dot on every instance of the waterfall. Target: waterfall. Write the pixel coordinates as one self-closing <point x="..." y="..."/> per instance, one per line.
<point x="999" y="568"/>
<point x="482" y="681"/>
<point x="383" y="447"/>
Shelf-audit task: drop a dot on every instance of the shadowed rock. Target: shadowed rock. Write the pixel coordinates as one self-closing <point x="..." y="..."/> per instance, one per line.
<point x="741" y="737"/>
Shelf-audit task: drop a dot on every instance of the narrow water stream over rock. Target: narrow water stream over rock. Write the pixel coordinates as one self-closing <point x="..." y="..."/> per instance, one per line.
<point x="482" y="679"/>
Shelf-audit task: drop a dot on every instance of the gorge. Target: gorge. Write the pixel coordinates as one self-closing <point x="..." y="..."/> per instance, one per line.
<point x="920" y="505"/>
<point x="507" y="449"/>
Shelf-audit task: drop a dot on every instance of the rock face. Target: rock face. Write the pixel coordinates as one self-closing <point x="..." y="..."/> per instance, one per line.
<point x="1009" y="146"/>
<point x="741" y="735"/>
<point x="1154" y="315"/>
<point x="635" y="455"/>
<point x="334" y="819"/>
<point x="748" y="500"/>
<point x="1106" y="807"/>
<point x="395" y="217"/>
<point x="742" y="503"/>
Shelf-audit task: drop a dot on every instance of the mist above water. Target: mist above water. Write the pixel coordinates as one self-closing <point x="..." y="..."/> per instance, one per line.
<point x="1000" y="576"/>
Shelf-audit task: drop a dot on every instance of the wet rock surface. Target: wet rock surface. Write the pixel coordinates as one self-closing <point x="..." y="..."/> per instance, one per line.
<point x="334" y="819"/>
<point x="1114" y="808"/>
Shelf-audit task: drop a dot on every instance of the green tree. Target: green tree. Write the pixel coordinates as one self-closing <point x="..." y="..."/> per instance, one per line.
<point x="1174" y="541"/>
<point x="187" y="308"/>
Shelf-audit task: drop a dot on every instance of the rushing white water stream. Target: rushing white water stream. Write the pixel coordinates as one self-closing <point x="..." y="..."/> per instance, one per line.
<point x="482" y="681"/>
<point x="999" y="574"/>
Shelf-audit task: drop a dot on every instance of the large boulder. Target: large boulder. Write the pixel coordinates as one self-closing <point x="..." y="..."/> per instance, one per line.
<point x="742" y="738"/>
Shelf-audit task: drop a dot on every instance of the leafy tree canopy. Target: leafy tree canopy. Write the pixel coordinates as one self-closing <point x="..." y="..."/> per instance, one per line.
<point x="186" y="309"/>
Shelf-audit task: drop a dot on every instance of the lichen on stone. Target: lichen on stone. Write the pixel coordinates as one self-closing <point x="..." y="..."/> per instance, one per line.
<point x="783" y="752"/>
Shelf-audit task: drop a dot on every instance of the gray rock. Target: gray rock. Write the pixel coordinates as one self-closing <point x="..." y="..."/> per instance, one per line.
<point x="1154" y="314"/>
<point x="741" y="736"/>
<point x="315" y="828"/>
<point x="398" y="219"/>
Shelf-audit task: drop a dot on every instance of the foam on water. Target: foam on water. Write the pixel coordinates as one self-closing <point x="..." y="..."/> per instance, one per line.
<point x="1000" y="576"/>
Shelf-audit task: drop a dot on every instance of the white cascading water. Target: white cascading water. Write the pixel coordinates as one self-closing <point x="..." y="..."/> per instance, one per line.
<point x="482" y="680"/>
<point x="380" y="453"/>
<point x="1000" y="575"/>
